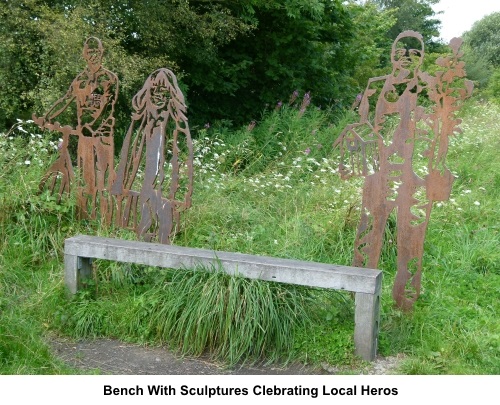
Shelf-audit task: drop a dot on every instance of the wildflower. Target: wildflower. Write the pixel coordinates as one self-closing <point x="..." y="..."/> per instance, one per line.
<point x="307" y="151"/>
<point x="293" y="97"/>
<point x="357" y="101"/>
<point x="278" y="105"/>
<point x="27" y="162"/>
<point x="207" y="125"/>
<point x="477" y="203"/>
<point x="305" y="102"/>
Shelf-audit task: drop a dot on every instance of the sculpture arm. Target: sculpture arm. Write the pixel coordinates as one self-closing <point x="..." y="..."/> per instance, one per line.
<point x="364" y="105"/>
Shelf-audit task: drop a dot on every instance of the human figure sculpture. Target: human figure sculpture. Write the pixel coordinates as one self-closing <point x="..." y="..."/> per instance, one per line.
<point x="93" y="93"/>
<point x="383" y="148"/>
<point x="154" y="181"/>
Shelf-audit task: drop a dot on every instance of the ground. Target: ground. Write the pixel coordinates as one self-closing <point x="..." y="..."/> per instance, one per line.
<point x="106" y="356"/>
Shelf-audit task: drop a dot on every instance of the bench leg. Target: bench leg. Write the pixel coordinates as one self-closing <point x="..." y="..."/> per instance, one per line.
<point x="366" y="321"/>
<point x="76" y="270"/>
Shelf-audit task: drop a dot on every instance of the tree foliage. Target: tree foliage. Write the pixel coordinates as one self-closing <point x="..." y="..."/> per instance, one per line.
<point x="290" y="48"/>
<point x="482" y="45"/>
<point x="416" y="15"/>
<point x="371" y="46"/>
<point x="232" y="57"/>
<point x="483" y="38"/>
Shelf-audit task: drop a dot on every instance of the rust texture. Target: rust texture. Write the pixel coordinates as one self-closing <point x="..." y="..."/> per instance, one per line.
<point x="91" y="96"/>
<point x="400" y="148"/>
<point x="154" y="178"/>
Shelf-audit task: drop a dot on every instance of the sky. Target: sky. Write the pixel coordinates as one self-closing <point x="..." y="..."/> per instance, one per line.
<point x="460" y="15"/>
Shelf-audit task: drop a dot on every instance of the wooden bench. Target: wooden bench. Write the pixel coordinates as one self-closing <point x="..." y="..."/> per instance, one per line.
<point x="365" y="283"/>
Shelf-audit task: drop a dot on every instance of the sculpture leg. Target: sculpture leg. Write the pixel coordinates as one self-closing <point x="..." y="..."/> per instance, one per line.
<point x="86" y="190"/>
<point x="165" y="222"/>
<point x="410" y="241"/>
<point x="104" y="177"/>
<point x="370" y="234"/>
<point x="146" y="219"/>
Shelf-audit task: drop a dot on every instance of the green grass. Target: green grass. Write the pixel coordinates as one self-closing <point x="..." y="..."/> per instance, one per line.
<point x="271" y="191"/>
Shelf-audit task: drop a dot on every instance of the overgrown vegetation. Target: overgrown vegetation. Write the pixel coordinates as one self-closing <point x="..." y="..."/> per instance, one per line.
<point x="483" y="57"/>
<point x="270" y="187"/>
<point x="269" y="190"/>
<point x="232" y="57"/>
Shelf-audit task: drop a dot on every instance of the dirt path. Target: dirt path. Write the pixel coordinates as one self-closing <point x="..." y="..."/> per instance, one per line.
<point x="114" y="357"/>
<point x="105" y="356"/>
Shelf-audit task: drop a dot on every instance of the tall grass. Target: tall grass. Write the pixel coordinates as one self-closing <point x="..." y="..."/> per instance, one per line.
<point x="271" y="190"/>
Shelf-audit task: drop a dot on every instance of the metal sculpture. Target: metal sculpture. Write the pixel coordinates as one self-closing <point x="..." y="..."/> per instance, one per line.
<point x="94" y="93"/>
<point x="156" y="161"/>
<point x="389" y="147"/>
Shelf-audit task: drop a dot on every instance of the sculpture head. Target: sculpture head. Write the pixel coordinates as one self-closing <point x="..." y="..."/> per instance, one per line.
<point x="160" y="92"/>
<point x="92" y="53"/>
<point x="407" y="51"/>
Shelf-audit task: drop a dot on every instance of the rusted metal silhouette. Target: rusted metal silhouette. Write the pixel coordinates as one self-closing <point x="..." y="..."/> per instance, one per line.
<point x="401" y="151"/>
<point x="93" y="93"/>
<point x="156" y="161"/>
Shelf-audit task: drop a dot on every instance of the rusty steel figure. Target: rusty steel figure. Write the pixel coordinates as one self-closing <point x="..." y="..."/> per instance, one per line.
<point x="401" y="151"/>
<point x="93" y="93"/>
<point x="156" y="161"/>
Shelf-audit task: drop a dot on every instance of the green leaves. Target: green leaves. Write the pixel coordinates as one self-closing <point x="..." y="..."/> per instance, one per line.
<point x="416" y="15"/>
<point x="484" y="38"/>
<point x="232" y="57"/>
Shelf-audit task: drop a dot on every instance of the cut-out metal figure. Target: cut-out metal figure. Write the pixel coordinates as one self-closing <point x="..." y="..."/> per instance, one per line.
<point x="154" y="181"/>
<point x="93" y="93"/>
<point x="400" y="149"/>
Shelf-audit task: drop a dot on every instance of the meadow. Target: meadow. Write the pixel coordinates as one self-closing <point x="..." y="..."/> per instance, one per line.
<point x="271" y="188"/>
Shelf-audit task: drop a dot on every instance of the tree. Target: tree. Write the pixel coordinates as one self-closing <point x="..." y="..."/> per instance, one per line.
<point x="370" y="45"/>
<point x="41" y="43"/>
<point x="416" y="15"/>
<point x="295" y="45"/>
<point x="19" y="46"/>
<point x="232" y="57"/>
<point x="483" y="39"/>
<point x="482" y="54"/>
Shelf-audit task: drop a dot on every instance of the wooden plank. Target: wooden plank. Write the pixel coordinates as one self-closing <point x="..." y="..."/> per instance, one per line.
<point x="366" y="283"/>
<point x="260" y="267"/>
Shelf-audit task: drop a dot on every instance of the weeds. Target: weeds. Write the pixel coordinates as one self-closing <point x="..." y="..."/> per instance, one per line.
<point x="269" y="189"/>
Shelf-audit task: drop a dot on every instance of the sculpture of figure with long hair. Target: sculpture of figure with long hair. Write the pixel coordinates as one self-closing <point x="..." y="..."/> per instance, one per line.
<point x="387" y="148"/>
<point x="156" y="161"/>
<point x="93" y="93"/>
